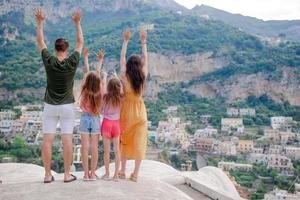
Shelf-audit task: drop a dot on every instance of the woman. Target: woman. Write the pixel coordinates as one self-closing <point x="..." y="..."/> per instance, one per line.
<point x="133" y="111"/>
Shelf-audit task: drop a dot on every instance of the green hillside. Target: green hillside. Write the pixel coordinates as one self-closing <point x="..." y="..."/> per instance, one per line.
<point x="21" y="66"/>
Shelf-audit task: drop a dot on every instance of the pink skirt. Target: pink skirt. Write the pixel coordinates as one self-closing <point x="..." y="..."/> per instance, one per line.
<point x="110" y="128"/>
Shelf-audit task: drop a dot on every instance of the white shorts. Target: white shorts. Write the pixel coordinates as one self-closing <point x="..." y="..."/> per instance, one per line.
<point x="64" y="115"/>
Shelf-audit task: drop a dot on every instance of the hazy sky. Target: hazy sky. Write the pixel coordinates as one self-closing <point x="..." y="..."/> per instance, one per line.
<point x="262" y="9"/>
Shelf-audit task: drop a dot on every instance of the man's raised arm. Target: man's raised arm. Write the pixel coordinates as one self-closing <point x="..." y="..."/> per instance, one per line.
<point x="79" y="36"/>
<point x="40" y="16"/>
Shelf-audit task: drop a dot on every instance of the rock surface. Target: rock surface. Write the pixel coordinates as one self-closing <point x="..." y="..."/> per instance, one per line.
<point x="156" y="181"/>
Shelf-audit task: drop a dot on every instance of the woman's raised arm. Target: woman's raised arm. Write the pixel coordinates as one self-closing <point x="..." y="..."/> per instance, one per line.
<point x="127" y="35"/>
<point x="143" y="36"/>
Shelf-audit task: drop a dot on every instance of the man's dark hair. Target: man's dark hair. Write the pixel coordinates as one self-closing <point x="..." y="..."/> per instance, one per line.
<point x="61" y="45"/>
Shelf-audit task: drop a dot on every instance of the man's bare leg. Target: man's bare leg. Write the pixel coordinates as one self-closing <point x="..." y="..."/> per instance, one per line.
<point x="67" y="140"/>
<point x="47" y="154"/>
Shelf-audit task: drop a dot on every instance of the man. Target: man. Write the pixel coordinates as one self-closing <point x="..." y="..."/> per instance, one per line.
<point x="59" y="98"/>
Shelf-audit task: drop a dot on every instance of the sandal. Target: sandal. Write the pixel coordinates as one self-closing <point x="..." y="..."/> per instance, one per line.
<point x="71" y="180"/>
<point x="86" y="179"/>
<point x="115" y="179"/>
<point x="121" y="175"/>
<point x="49" y="181"/>
<point x="95" y="178"/>
<point x="105" y="177"/>
<point x="133" y="178"/>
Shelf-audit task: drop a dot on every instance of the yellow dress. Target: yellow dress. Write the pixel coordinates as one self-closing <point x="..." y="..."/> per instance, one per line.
<point x="134" y="125"/>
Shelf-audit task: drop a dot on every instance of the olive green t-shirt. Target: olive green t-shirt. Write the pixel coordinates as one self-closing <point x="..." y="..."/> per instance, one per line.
<point x="60" y="77"/>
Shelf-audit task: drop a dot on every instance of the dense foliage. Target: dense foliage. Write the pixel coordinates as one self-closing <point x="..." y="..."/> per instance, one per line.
<point x="21" y="66"/>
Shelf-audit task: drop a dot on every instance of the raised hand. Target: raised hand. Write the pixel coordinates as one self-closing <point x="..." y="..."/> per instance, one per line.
<point x="127" y="35"/>
<point x="100" y="54"/>
<point x="76" y="17"/>
<point x="85" y="53"/>
<point x="79" y="36"/>
<point x="143" y="36"/>
<point x="103" y="74"/>
<point x="40" y="16"/>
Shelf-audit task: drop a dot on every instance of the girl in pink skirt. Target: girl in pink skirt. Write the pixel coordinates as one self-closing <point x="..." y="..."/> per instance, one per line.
<point x="110" y="128"/>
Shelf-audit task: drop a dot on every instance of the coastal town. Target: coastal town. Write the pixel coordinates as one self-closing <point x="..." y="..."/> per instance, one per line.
<point x="233" y="146"/>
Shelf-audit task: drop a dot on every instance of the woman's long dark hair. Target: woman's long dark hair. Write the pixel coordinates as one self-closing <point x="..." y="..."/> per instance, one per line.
<point x="135" y="73"/>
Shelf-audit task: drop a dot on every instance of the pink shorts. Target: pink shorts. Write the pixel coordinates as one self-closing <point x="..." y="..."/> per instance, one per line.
<point x="110" y="128"/>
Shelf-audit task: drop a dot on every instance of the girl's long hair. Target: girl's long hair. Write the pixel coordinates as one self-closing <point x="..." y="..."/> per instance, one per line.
<point x="114" y="95"/>
<point x="91" y="92"/>
<point x="135" y="73"/>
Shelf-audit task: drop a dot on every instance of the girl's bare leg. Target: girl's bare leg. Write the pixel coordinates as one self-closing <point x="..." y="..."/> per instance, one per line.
<point x="116" y="143"/>
<point x="85" y="153"/>
<point x="94" y="154"/>
<point x="106" y="143"/>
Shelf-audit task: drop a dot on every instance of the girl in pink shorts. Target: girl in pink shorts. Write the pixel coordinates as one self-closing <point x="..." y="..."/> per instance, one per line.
<point x="110" y="128"/>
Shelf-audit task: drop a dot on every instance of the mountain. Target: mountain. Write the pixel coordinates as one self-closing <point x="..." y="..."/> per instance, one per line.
<point x="284" y="29"/>
<point x="208" y="58"/>
<point x="57" y="9"/>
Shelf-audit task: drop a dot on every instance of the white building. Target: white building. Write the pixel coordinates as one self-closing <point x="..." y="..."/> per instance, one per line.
<point x="171" y="109"/>
<point x="258" y="150"/>
<point x="292" y="152"/>
<point x="275" y="149"/>
<point x="232" y="111"/>
<point x="227" y="166"/>
<point x="232" y="124"/>
<point x="18" y="126"/>
<point x="241" y="112"/>
<point x="280" y="163"/>
<point x="225" y="148"/>
<point x="6" y="126"/>
<point x="146" y="27"/>
<point x="208" y="131"/>
<point x="279" y="137"/>
<point x="282" y="122"/>
<point x="7" y="118"/>
<point x="32" y="130"/>
<point x="273" y="161"/>
<point x="258" y="158"/>
<point x="7" y="115"/>
<point x="281" y="195"/>
<point x="247" y="112"/>
<point x="28" y="107"/>
<point x="31" y="115"/>
<point x="173" y="130"/>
